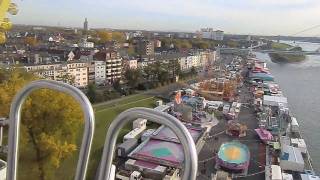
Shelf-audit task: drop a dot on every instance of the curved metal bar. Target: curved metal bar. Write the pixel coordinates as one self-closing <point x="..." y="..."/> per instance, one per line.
<point x="15" y="118"/>
<point x="189" y="148"/>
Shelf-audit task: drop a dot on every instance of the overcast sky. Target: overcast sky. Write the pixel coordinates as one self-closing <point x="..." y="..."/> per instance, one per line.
<point x="270" y="17"/>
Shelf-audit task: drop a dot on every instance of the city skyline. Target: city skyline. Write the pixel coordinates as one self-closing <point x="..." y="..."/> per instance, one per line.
<point x="273" y="17"/>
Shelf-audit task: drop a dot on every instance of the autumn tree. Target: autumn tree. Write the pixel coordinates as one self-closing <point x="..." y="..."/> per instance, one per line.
<point x="50" y="124"/>
<point x="232" y="44"/>
<point x="104" y="36"/>
<point x="67" y="78"/>
<point x="182" y="44"/>
<point x="118" y="36"/>
<point x="200" y="44"/>
<point x="31" y="41"/>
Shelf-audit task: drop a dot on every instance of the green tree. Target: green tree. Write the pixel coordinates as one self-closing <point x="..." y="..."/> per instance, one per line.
<point x="133" y="77"/>
<point x="92" y="93"/>
<point x="174" y="68"/>
<point x="131" y="51"/>
<point x="149" y="73"/>
<point x="160" y="70"/>
<point x="110" y="94"/>
<point x="50" y="124"/>
<point x="193" y="71"/>
<point x="163" y="76"/>
<point x="117" y="85"/>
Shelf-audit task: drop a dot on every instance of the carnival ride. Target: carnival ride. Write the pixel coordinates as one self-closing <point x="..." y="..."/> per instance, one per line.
<point x="233" y="156"/>
<point x="236" y="129"/>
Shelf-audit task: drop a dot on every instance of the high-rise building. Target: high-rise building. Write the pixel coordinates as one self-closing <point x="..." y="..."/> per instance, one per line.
<point x="86" y="25"/>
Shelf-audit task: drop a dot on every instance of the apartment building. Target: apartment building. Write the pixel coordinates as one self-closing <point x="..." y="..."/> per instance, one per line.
<point x="209" y="33"/>
<point x="207" y="58"/>
<point x="113" y="64"/>
<point x="46" y="71"/>
<point x="86" y="44"/>
<point x="79" y="71"/>
<point x="145" y="47"/>
<point x="197" y="60"/>
<point x="74" y="73"/>
<point x="130" y="63"/>
<point x="97" y="72"/>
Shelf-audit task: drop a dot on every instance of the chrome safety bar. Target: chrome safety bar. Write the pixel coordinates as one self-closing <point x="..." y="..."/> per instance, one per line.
<point x="15" y="119"/>
<point x="189" y="148"/>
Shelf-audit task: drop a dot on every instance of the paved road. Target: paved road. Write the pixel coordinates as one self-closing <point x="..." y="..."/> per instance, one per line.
<point x="257" y="149"/>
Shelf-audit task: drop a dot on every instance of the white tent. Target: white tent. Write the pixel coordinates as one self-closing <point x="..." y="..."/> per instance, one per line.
<point x="284" y="140"/>
<point x="291" y="158"/>
<point x="274" y="100"/>
<point x="286" y="176"/>
<point x="309" y="177"/>
<point x="299" y="143"/>
<point x="294" y="125"/>
<point x="273" y="172"/>
<point x="276" y="172"/>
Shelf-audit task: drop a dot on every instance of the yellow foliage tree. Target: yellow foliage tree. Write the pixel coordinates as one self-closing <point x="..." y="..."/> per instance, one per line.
<point x="104" y="36"/>
<point x="31" y="41"/>
<point x="118" y="36"/>
<point x="50" y="123"/>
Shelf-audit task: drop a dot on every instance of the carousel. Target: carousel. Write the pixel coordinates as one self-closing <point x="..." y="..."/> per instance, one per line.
<point x="236" y="129"/>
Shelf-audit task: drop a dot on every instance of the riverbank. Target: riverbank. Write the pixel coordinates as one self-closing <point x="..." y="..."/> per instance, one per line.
<point x="297" y="83"/>
<point x="286" y="58"/>
<point x="274" y="115"/>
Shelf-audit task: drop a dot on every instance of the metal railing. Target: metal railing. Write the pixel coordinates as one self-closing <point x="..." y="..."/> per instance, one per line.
<point x="15" y="119"/>
<point x="189" y="148"/>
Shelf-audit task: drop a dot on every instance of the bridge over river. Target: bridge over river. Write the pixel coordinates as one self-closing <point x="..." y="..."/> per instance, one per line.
<point x="247" y="50"/>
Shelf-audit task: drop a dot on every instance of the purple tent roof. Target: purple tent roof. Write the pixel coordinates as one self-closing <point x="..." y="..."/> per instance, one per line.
<point x="166" y="134"/>
<point x="264" y="135"/>
<point x="160" y="152"/>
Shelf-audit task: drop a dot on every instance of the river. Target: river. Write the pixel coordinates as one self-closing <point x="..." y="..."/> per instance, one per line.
<point x="300" y="83"/>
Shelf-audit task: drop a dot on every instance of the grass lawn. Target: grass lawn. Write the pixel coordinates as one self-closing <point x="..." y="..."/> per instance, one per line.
<point x="286" y="58"/>
<point x="123" y="100"/>
<point x="104" y="115"/>
<point x="280" y="46"/>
